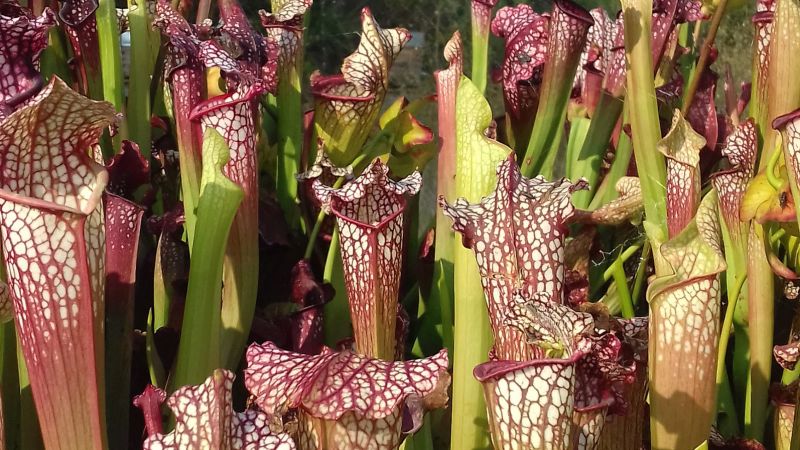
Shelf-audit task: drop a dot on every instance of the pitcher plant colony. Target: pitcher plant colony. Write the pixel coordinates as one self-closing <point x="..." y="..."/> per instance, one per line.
<point x="208" y="249"/>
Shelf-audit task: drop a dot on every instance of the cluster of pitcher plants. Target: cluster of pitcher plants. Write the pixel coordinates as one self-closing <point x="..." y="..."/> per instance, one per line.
<point x="209" y="250"/>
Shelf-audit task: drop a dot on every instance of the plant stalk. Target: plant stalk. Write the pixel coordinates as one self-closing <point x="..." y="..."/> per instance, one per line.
<point x="705" y="53"/>
<point x="111" y="62"/>
<point x="199" y="347"/>
<point x="290" y="138"/>
<point x="481" y="20"/>
<point x="141" y="72"/>
<point x="643" y="114"/>
<point x="760" y="317"/>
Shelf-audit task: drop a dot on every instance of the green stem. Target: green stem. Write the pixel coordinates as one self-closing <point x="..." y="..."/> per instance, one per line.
<point x="330" y="260"/>
<point x="619" y="167"/>
<point x="155" y="367"/>
<point x="553" y="155"/>
<point x="111" y="62"/>
<point x="480" y="50"/>
<point x="472" y="339"/>
<point x="726" y="408"/>
<point x="162" y="291"/>
<point x="312" y="237"/>
<point x="727" y="324"/>
<point x="724" y="393"/>
<point x="199" y="347"/>
<point x="772" y="165"/>
<point x="761" y="323"/>
<point x="550" y="114"/>
<point x="337" y="311"/>
<point x="55" y="57"/>
<point x="422" y="439"/>
<point x="705" y="53"/>
<point x="595" y="144"/>
<point x="643" y="114"/>
<point x="443" y="276"/>
<point x="639" y="279"/>
<point x="141" y="72"/>
<point x="777" y="236"/>
<point x="290" y="139"/>
<point x="617" y="271"/>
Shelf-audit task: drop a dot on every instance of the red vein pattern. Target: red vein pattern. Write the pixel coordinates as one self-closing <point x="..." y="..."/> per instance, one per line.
<point x="569" y="27"/>
<point x="52" y="227"/>
<point x="6" y="303"/>
<point x="784" y="398"/>
<point x="681" y="147"/>
<point x="481" y="11"/>
<point x="604" y="53"/>
<point x="234" y="115"/>
<point x="185" y="77"/>
<point x="309" y="296"/>
<point x="667" y="14"/>
<point x="601" y="384"/>
<point x="684" y="331"/>
<point x="787" y="355"/>
<point x="517" y="233"/>
<point x="628" y="205"/>
<point x="525" y="33"/>
<point x="606" y="46"/>
<point x="741" y="147"/>
<point x="789" y="126"/>
<point x="763" y="24"/>
<point x="123" y="218"/>
<point x="531" y="403"/>
<point x="447" y="81"/>
<point x="284" y="28"/>
<point x="257" y="56"/>
<point x="347" y="105"/>
<point x="80" y="25"/>
<point x="599" y="42"/>
<point x="23" y="37"/>
<point x="345" y="401"/>
<point x="702" y="113"/>
<point x="150" y="401"/>
<point x="369" y="214"/>
<point x="625" y="429"/>
<point x="783" y="425"/>
<point x="205" y="419"/>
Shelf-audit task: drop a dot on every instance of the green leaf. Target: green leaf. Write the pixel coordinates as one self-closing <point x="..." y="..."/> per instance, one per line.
<point x="111" y="62"/>
<point x="476" y="160"/>
<point x="569" y="24"/>
<point x="282" y="32"/>
<point x="411" y="143"/>
<point x="142" y="65"/>
<point x="199" y="348"/>
<point x="643" y="114"/>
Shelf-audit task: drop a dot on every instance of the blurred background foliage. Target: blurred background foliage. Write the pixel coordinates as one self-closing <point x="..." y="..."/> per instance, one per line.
<point x="333" y="26"/>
